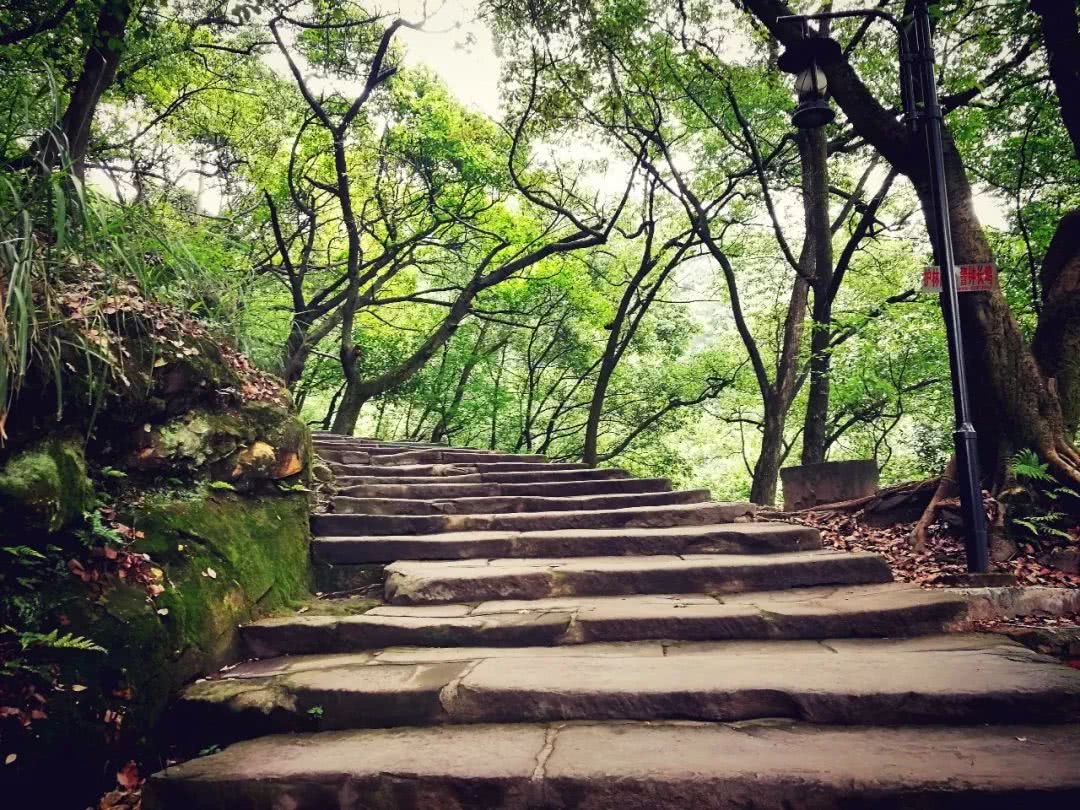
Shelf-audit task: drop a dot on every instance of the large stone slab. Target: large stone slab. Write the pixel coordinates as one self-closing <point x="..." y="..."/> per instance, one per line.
<point x="478" y="580"/>
<point x="549" y="489"/>
<point x="636" y="766"/>
<point x="811" y="613"/>
<point x="506" y="504"/>
<point x="930" y="680"/>
<point x="865" y="682"/>
<point x="725" y="538"/>
<point x="455" y="475"/>
<point x="693" y="514"/>
<point x="297" y="635"/>
<point x="347" y="467"/>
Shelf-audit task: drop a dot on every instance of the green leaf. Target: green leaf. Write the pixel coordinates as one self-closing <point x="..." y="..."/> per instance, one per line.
<point x="24" y="552"/>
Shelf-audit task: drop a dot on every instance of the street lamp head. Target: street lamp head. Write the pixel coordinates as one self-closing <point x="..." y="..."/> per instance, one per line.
<point x="805" y="58"/>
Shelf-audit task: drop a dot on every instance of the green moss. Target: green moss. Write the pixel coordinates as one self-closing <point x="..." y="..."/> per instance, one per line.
<point x="260" y="545"/>
<point x="257" y="551"/>
<point x="46" y="486"/>
<point x="315" y="606"/>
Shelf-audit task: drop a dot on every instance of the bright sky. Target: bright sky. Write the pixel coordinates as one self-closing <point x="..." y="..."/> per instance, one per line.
<point x="456" y="47"/>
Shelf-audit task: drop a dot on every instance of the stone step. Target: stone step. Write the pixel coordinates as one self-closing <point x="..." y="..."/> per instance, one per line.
<point x="364" y="444"/>
<point x="695" y="514"/>
<point x="442" y="491"/>
<point x="637" y="766"/>
<point x="509" y="504"/>
<point x="954" y="679"/>
<point x="347" y="468"/>
<point x="806" y="613"/>
<point x="408" y="457"/>
<point x="726" y="538"/>
<point x="411" y="583"/>
<point x="391" y="450"/>
<point x="533" y="475"/>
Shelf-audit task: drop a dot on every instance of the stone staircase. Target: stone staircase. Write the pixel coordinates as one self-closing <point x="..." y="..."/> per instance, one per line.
<point x="554" y="636"/>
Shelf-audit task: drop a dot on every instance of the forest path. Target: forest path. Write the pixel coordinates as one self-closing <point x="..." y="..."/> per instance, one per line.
<point x="554" y="636"/>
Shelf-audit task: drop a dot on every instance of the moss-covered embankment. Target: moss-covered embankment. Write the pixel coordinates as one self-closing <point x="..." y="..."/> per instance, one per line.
<point x="137" y="533"/>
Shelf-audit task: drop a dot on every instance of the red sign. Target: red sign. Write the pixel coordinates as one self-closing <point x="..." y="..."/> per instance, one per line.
<point x="973" y="278"/>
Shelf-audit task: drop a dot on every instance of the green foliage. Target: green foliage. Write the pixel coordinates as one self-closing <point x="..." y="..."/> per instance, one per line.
<point x="1027" y="466"/>
<point x="53" y="640"/>
<point x="1040" y="509"/>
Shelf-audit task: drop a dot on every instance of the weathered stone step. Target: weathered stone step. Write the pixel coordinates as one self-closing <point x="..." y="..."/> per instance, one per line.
<point x="726" y="538"/>
<point x="410" y="582"/>
<point x="391" y="450"/>
<point x="441" y="491"/>
<point x="933" y="679"/>
<point x="504" y="504"/>
<point x="343" y="469"/>
<point x="406" y="457"/>
<point x="816" y="613"/>
<point x="549" y="473"/>
<point x="695" y="514"/>
<point x="364" y="444"/>
<point x="637" y="766"/>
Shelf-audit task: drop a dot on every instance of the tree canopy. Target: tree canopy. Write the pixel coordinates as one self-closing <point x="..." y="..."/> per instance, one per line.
<point x="638" y="260"/>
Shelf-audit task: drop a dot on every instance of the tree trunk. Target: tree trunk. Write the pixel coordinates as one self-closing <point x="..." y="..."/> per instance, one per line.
<point x="348" y="411"/>
<point x="295" y="355"/>
<point x="778" y="397"/>
<point x="495" y="401"/>
<point x="71" y="137"/>
<point x="596" y="405"/>
<point x="814" y="152"/>
<point x="1013" y="403"/>
<point x="767" y="466"/>
<point x="815" y="423"/>
<point x="1057" y="339"/>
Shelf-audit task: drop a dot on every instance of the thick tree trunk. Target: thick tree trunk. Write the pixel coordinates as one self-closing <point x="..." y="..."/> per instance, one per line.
<point x="1060" y="23"/>
<point x="1057" y="339"/>
<point x="1013" y="403"/>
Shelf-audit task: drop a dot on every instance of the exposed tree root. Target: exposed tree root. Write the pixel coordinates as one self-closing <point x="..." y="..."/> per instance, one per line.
<point x="946" y="488"/>
<point x="1064" y="462"/>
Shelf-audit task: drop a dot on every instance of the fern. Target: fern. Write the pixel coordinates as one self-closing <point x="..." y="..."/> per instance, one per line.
<point x="54" y="641"/>
<point x="97" y="532"/>
<point x="23" y="553"/>
<point x="1026" y="465"/>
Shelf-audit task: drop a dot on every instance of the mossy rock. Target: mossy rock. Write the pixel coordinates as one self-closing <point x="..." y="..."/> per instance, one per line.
<point x="246" y="446"/>
<point x="256" y="549"/>
<point x="45" y="487"/>
<point x="259" y="545"/>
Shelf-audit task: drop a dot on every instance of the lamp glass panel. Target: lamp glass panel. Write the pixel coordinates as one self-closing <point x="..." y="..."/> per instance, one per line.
<point x="811" y="81"/>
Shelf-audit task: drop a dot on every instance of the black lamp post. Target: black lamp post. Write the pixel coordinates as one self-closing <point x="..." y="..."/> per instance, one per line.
<point x="806" y="57"/>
